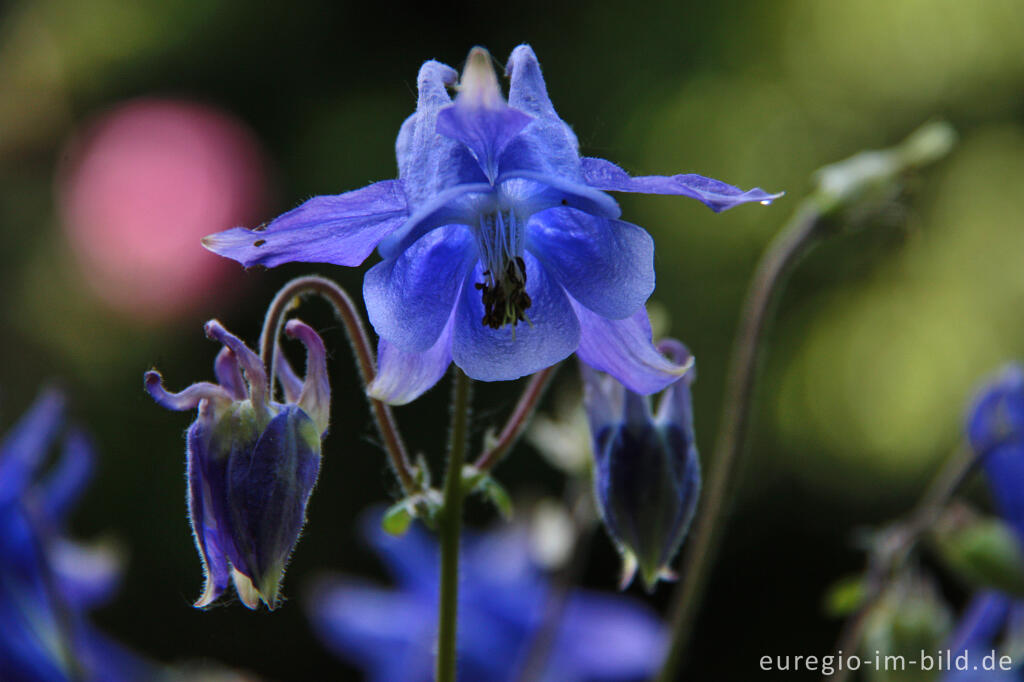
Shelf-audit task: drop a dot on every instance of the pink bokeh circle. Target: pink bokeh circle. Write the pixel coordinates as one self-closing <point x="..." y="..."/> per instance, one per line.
<point x="141" y="185"/>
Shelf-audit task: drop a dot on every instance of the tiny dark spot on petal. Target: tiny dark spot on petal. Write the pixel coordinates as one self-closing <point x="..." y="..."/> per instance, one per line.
<point x="565" y="202"/>
<point x="260" y="227"/>
<point x="259" y="242"/>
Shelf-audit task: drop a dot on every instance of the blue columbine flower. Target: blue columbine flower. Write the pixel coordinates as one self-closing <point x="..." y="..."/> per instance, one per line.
<point x="252" y="462"/>
<point x="646" y="469"/>
<point x="502" y="601"/>
<point x="994" y="620"/>
<point x="501" y="249"/>
<point x="47" y="582"/>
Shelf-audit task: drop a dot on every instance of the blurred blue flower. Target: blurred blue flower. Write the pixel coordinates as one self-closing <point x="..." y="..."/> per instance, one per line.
<point x="646" y="469"/>
<point x="47" y="582"/>
<point x="994" y="620"/>
<point x="494" y="220"/>
<point x="252" y="462"/>
<point x="503" y="599"/>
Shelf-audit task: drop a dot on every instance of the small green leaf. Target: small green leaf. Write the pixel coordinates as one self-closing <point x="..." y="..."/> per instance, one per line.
<point x="496" y="493"/>
<point x="984" y="552"/>
<point x="476" y="481"/>
<point x="845" y="596"/>
<point x="397" y="518"/>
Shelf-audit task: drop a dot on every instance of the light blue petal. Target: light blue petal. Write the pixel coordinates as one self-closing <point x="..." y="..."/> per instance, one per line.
<point x="425" y="158"/>
<point x="26" y="444"/>
<point x="485" y="131"/>
<point x="342" y="229"/>
<point x="715" y="194"/>
<point x="530" y="192"/>
<point x="606" y="638"/>
<point x="87" y="576"/>
<point x="462" y="205"/>
<point x="607" y="265"/>
<point x="623" y="348"/>
<point x="390" y="634"/>
<point x="410" y="298"/>
<point x="402" y="377"/>
<point x="511" y="352"/>
<point x="981" y="623"/>
<point x="548" y="144"/>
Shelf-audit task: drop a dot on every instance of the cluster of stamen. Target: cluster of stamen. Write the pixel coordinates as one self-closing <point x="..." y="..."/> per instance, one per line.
<point x="504" y="297"/>
<point x="503" y="291"/>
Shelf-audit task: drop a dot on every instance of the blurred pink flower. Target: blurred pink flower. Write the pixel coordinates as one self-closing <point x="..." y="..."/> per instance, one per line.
<point x="141" y="185"/>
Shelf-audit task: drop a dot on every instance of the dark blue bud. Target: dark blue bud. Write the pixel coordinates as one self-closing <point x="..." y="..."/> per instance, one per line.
<point x="252" y="462"/>
<point x="646" y="469"/>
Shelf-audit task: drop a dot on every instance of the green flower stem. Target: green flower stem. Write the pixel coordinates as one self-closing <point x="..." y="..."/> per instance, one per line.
<point x="287" y="299"/>
<point x="451" y="530"/>
<point x="900" y="540"/>
<point x="518" y="421"/>
<point x="799" y="235"/>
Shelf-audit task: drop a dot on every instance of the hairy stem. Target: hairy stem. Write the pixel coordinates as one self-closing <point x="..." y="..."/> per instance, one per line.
<point x="287" y="299"/>
<point x="518" y="420"/>
<point x="786" y="249"/>
<point x="451" y="531"/>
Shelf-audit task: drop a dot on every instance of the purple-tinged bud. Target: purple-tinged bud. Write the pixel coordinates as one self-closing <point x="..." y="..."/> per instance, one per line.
<point x="646" y="469"/>
<point x="252" y="462"/>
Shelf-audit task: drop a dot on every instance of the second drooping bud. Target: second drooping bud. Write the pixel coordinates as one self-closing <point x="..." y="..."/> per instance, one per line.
<point x="646" y="469"/>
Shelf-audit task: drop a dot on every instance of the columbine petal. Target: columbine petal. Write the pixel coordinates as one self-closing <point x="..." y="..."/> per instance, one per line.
<point x="342" y="229"/>
<point x="87" y="576"/>
<point x="550" y="335"/>
<point x="251" y="365"/>
<point x="315" y="398"/>
<point x="551" y="144"/>
<point x="402" y="377"/>
<point x="419" y="149"/>
<point x="409" y="299"/>
<point x="206" y="486"/>
<point x="189" y="398"/>
<point x="623" y="348"/>
<point x="607" y="265"/>
<point x="358" y="622"/>
<point x="602" y="637"/>
<point x="457" y="205"/>
<point x="981" y="623"/>
<point x="228" y="374"/>
<point x="25" y="446"/>
<point x="715" y="194"/>
<point x="65" y="484"/>
<point x="268" y="488"/>
<point x="480" y="118"/>
<point x="531" y="192"/>
<point x="291" y="384"/>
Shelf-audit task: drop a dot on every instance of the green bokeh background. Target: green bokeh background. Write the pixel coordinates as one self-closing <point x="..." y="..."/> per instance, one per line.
<point x="880" y="339"/>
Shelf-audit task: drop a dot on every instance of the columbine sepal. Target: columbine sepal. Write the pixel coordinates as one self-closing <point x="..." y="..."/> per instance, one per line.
<point x="646" y="469"/>
<point x="252" y="462"/>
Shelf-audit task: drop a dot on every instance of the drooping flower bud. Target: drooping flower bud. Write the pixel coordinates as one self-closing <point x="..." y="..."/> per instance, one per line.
<point x="646" y="473"/>
<point x="252" y="462"/>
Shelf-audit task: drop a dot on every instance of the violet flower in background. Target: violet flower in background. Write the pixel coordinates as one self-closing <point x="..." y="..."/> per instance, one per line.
<point x="252" y="462"/>
<point x="47" y="582"/>
<point x="646" y="469"/>
<point x="391" y="633"/>
<point x="501" y="249"/>
<point x="995" y="620"/>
